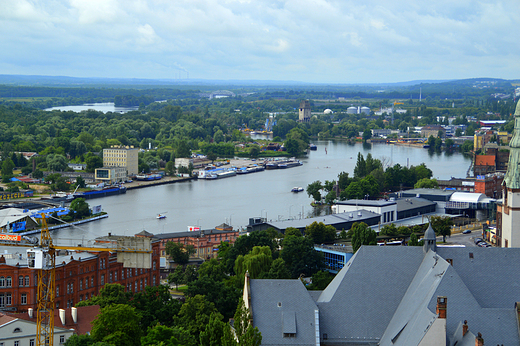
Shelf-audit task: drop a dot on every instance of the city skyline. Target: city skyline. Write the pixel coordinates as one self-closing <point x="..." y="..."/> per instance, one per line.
<point x="302" y="41"/>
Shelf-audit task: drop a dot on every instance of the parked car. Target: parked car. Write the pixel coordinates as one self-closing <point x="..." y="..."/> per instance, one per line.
<point x="482" y="244"/>
<point x="466" y="231"/>
<point x="477" y="240"/>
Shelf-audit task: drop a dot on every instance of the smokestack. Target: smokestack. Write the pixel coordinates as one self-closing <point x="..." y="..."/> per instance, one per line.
<point x="62" y="316"/>
<point x="74" y="312"/>
<point x="30" y="312"/>
<point x="441" y="307"/>
<point x="464" y="328"/>
<point x="478" y="340"/>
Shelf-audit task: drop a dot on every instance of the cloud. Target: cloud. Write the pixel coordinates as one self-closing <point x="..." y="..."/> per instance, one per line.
<point x="309" y="40"/>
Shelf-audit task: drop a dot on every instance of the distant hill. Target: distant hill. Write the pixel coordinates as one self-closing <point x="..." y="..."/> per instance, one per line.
<point x="65" y="81"/>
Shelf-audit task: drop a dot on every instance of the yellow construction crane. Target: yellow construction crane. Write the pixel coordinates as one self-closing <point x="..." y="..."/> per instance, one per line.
<point x="42" y="257"/>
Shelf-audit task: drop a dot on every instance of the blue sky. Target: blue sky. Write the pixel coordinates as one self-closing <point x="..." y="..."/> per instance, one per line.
<point x="319" y="41"/>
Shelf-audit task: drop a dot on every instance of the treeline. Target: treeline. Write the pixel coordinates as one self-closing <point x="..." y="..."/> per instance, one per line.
<point x="132" y="101"/>
<point x="371" y="178"/>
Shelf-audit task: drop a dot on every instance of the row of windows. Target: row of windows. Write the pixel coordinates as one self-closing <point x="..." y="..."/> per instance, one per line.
<point x="8" y="282"/>
<point x="6" y="299"/>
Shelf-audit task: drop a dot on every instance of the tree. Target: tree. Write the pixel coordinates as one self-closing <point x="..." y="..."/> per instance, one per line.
<point x="313" y="190"/>
<point x="56" y="162"/>
<point x="360" y="169"/>
<point x="155" y="305"/>
<point x="93" y="162"/>
<point x="320" y="280"/>
<point x="117" y="324"/>
<point x="361" y="234"/>
<point x="246" y="334"/>
<point x="320" y="233"/>
<point x="257" y="262"/>
<point x="195" y="314"/>
<point x="179" y="253"/>
<point x="81" y="207"/>
<point x="80" y="182"/>
<point x="413" y="240"/>
<point x="79" y="340"/>
<point x="426" y="183"/>
<point x="37" y="174"/>
<point x="168" y="336"/>
<point x="278" y="270"/>
<point x="442" y="226"/>
<point x="389" y="230"/>
<point x="214" y="332"/>
<point x="110" y="294"/>
<point x="300" y="256"/>
<point x="7" y="169"/>
<point x="170" y="168"/>
<point x="177" y="276"/>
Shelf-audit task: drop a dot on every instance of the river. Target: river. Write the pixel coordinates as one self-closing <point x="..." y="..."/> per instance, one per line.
<point x="234" y="200"/>
<point x="101" y="107"/>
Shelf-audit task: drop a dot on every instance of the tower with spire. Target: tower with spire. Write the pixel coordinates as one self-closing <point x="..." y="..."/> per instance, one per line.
<point x="429" y="240"/>
<point x="508" y="214"/>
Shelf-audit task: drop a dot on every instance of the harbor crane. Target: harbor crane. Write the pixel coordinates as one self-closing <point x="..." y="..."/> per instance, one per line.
<point x="131" y="251"/>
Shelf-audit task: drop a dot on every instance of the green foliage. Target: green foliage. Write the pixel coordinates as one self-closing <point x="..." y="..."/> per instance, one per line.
<point x="168" y="336"/>
<point x="427" y="184"/>
<point x="110" y="294"/>
<point x="246" y="334"/>
<point x="81" y="207"/>
<point x="413" y="240"/>
<point x="156" y="305"/>
<point x="389" y="230"/>
<point x="195" y="314"/>
<point x="442" y="226"/>
<point x="361" y="234"/>
<point x="278" y="270"/>
<point x="320" y="280"/>
<point x="179" y="253"/>
<point x="117" y="324"/>
<point x="177" y="276"/>
<point x="93" y="162"/>
<point x="7" y="168"/>
<point x="291" y="231"/>
<point x="257" y="262"/>
<point x="214" y="332"/>
<point x="313" y="190"/>
<point x="467" y="146"/>
<point x="244" y="244"/>
<point x="300" y="256"/>
<point x="320" y="233"/>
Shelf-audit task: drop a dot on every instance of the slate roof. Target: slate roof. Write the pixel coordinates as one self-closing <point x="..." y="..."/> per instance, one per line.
<point x="367" y="203"/>
<point x="388" y="292"/>
<point x="332" y="219"/>
<point x="412" y="203"/>
<point x="283" y="305"/>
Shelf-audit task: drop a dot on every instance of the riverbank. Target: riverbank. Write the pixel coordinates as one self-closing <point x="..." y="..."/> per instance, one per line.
<point x="139" y="184"/>
<point x="65" y="225"/>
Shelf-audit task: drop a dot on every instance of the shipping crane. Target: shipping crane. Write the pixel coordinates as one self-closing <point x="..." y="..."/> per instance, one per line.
<point x="131" y="251"/>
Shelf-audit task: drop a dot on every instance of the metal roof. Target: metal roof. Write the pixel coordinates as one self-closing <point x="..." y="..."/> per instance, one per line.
<point x="468" y="197"/>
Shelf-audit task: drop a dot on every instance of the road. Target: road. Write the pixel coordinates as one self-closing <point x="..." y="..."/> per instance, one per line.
<point x="464" y="239"/>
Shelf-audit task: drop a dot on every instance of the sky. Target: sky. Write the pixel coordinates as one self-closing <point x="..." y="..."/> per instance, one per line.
<point x="316" y="41"/>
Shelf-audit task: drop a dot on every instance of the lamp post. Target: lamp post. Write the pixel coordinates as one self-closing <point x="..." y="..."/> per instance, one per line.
<point x="230" y="220"/>
<point x="292" y="205"/>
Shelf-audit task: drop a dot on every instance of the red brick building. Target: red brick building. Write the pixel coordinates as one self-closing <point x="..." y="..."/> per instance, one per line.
<point x="205" y="242"/>
<point x="79" y="276"/>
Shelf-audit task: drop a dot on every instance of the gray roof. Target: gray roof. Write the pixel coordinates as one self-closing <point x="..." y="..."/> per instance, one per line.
<point x="367" y="203"/>
<point x="190" y="234"/>
<point x="384" y="292"/>
<point x="283" y="306"/>
<point x="412" y="203"/>
<point x="332" y="219"/>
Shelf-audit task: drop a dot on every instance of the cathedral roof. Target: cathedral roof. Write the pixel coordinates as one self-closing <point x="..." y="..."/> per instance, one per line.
<point x="512" y="178"/>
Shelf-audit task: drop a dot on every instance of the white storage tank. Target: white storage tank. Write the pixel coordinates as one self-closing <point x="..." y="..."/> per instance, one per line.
<point x="365" y="110"/>
<point x="352" y="110"/>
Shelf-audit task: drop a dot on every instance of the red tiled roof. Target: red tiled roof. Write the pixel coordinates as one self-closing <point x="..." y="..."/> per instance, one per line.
<point x="5" y="319"/>
<point x="86" y="314"/>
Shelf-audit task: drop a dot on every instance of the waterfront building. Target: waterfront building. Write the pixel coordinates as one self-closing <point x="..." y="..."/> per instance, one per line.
<point x="508" y="210"/>
<point x="433" y="130"/>
<point x="304" y="112"/>
<point x="110" y="175"/>
<point x="205" y="242"/>
<point x="79" y="276"/>
<point x="489" y="184"/>
<point x="122" y="156"/>
<point x="403" y="295"/>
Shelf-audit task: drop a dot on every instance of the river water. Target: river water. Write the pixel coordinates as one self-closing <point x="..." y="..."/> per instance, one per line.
<point x="234" y="200"/>
<point x="102" y="107"/>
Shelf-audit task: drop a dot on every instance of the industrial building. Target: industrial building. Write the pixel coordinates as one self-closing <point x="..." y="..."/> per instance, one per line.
<point x="122" y="156"/>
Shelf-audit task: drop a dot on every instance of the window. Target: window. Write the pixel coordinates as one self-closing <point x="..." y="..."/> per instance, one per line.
<point x="110" y="277"/>
<point x="20" y="281"/>
<point x="102" y="279"/>
<point x="92" y="282"/>
<point x="86" y="283"/>
<point x="115" y="276"/>
<point x="27" y="281"/>
<point x="17" y="343"/>
<point x="122" y="274"/>
<point x="135" y="284"/>
<point x="80" y="284"/>
<point x="62" y="339"/>
<point x="17" y="330"/>
<point x="31" y="342"/>
<point x="8" y="299"/>
<point x="57" y="291"/>
<point x="23" y="299"/>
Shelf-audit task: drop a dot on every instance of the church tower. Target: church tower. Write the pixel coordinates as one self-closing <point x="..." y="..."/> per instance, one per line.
<point x="508" y="222"/>
<point x="429" y="240"/>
